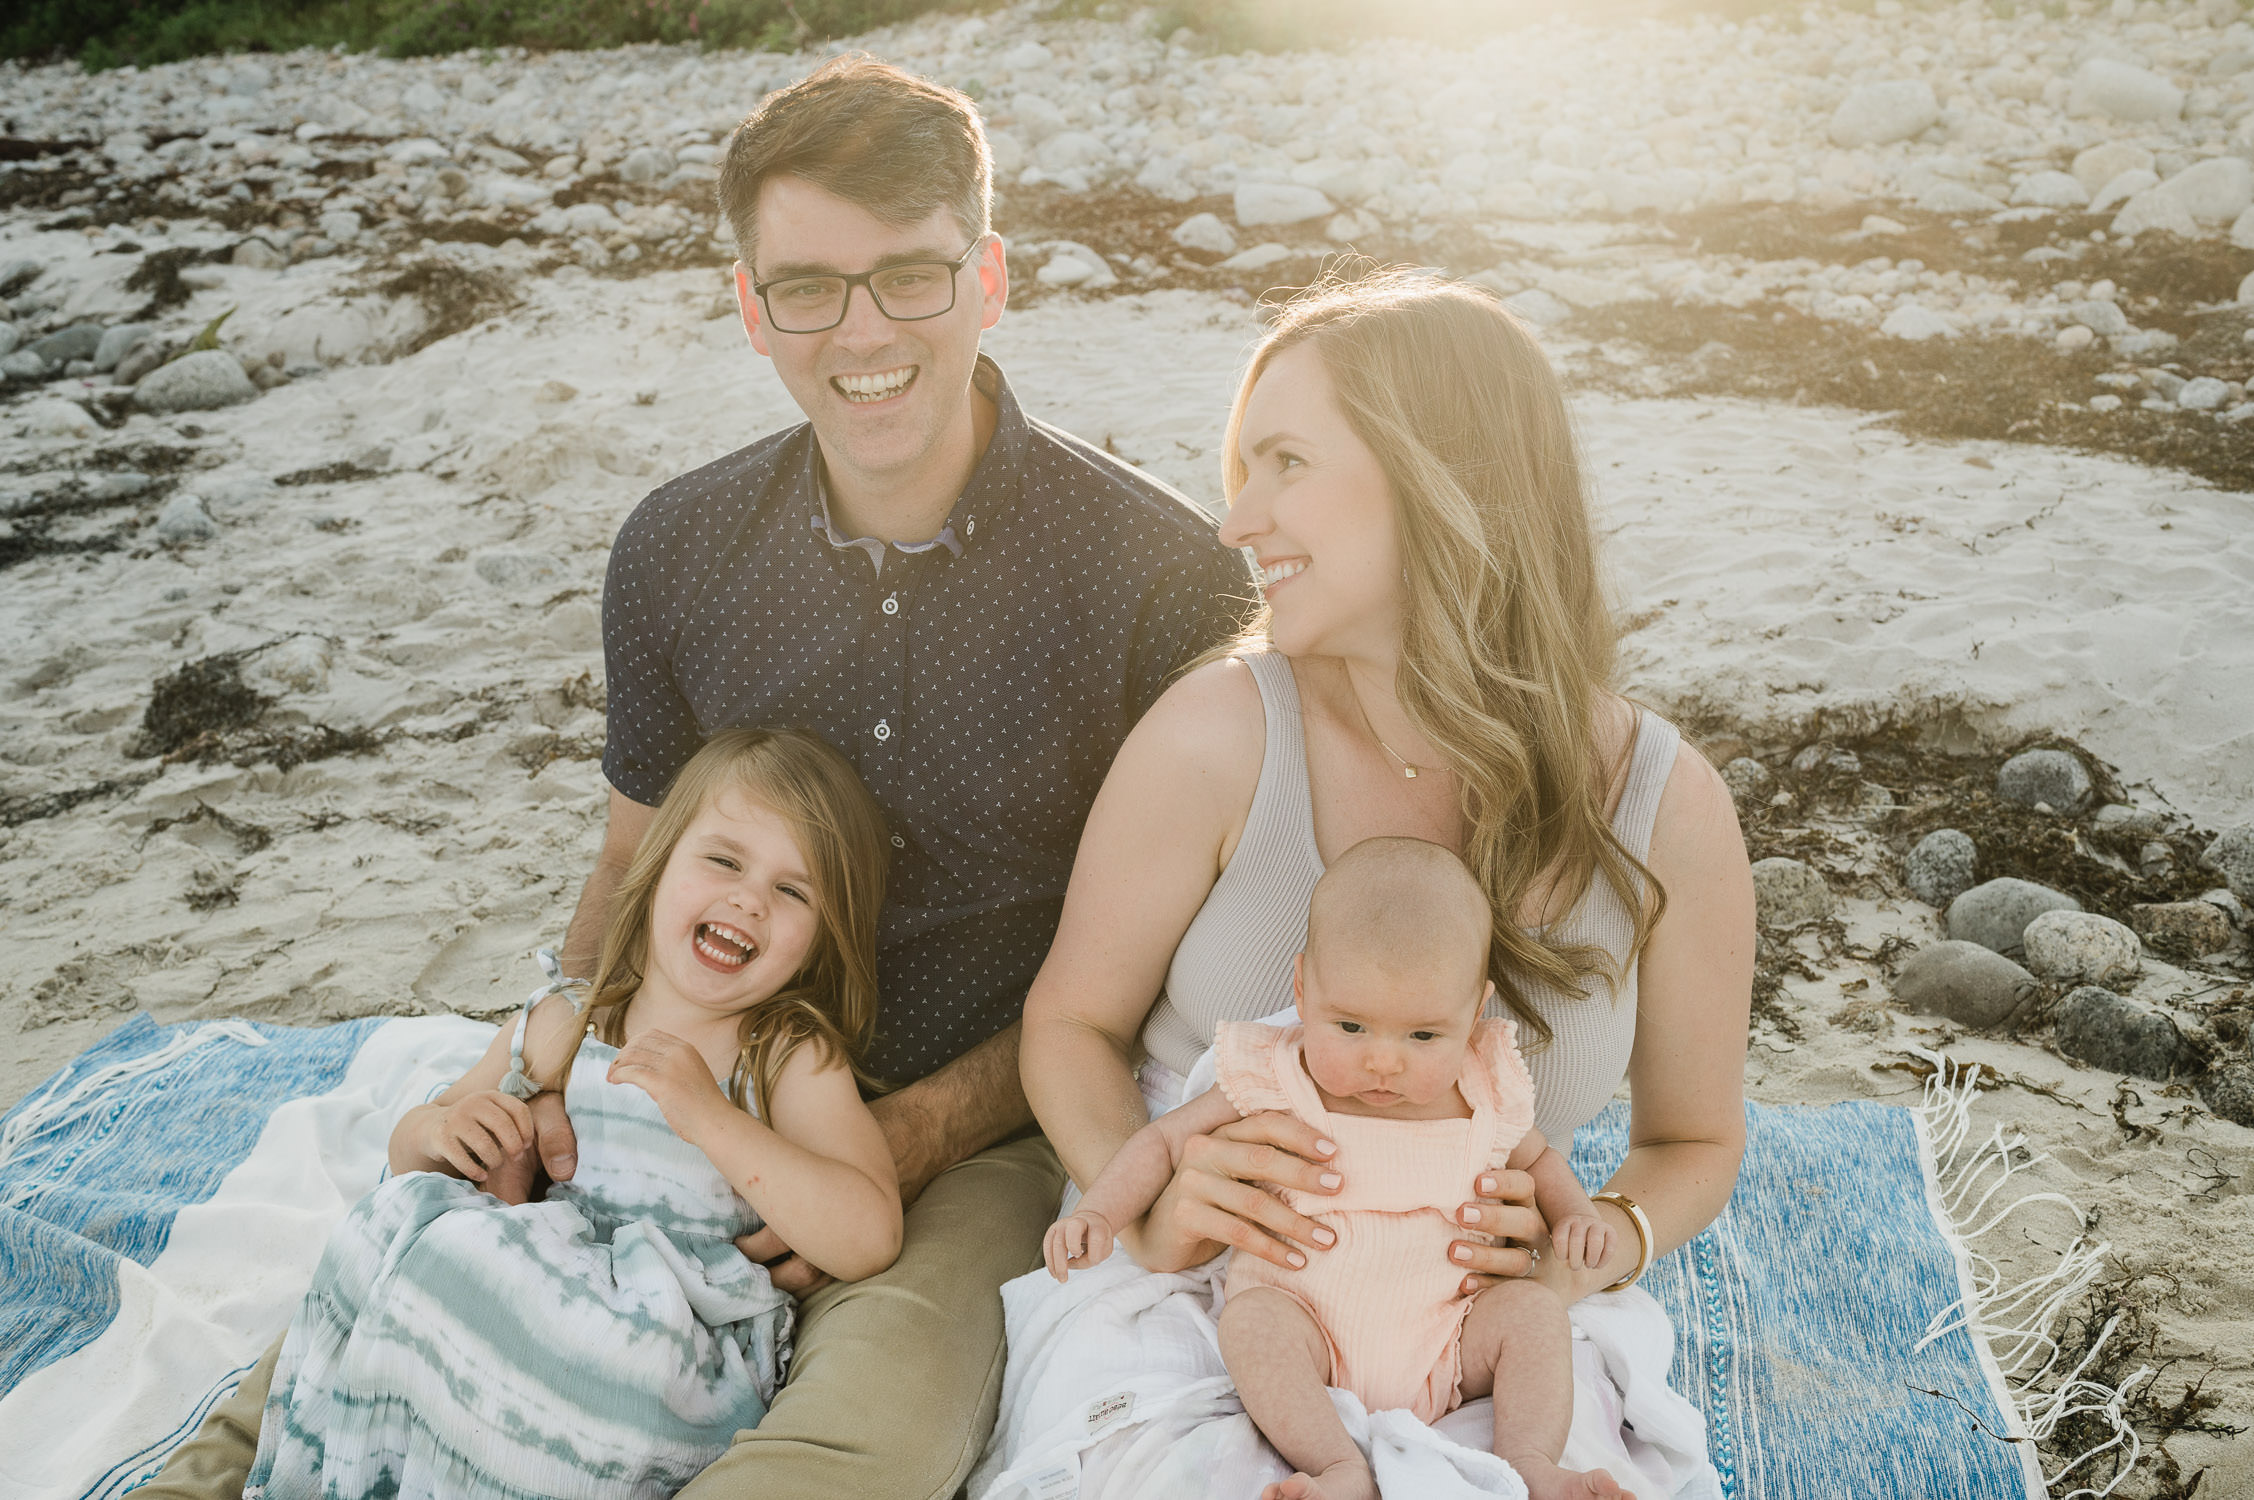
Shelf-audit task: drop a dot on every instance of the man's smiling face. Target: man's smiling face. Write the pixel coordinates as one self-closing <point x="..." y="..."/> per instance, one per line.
<point x="880" y="394"/>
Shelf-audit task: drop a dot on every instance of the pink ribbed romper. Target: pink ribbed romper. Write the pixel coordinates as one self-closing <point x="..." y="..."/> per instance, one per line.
<point x="1386" y="1297"/>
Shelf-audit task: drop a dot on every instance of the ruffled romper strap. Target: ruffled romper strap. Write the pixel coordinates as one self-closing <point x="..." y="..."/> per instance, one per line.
<point x="517" y="1083"/>
<point x="1248" y="1060"/>
<point x="1495" y="1081"/>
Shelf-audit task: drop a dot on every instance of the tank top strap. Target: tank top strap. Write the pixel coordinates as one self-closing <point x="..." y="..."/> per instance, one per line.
<point x="1649" y="766"/>
<point x="1282" y="804"/>
<point x="517" y="1083"/>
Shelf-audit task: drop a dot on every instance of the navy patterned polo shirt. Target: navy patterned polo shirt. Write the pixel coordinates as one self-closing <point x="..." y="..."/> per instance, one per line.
<point x="982" y="692"/>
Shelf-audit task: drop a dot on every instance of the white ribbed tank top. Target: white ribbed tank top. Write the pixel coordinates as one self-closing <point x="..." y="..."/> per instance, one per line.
<point x="1234" y="962"/>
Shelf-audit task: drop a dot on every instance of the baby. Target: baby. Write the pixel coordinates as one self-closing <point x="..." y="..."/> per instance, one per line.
<point x="1392" y="1062"/>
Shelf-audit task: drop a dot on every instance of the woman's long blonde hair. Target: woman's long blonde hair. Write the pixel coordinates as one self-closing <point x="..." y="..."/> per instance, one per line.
<point x="1506" y="641"/>
<point x="839" y="831"/>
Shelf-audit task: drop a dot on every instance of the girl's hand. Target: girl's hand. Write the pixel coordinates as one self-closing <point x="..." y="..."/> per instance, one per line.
<point x="1214" y="1199"/>
<point x="1504" y="1210"/>
<point x="1083" y="1240"/>
<point x="481" y="1134"/>
<point x="673" y="1073"/>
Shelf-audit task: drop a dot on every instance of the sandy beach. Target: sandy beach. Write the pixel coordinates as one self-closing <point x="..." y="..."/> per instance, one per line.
<point x="323" y="741"/>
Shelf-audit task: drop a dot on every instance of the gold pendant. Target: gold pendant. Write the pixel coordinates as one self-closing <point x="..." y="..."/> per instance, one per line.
<point x="1409" y="772"/>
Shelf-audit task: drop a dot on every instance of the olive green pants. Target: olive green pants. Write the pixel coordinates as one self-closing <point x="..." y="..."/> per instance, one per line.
<point x="895" y="1383"/>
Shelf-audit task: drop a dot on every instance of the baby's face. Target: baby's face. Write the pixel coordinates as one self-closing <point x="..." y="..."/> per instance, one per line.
<point x="1385" y="1033"/>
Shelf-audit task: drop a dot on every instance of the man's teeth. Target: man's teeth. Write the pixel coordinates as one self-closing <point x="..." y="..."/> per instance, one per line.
<point x="723" y="947"/>
<point x="1278" y="572"/>
<point x="875" y="387"/>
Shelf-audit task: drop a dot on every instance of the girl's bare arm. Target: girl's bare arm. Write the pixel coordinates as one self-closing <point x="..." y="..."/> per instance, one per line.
<point x="421" y="1141"/>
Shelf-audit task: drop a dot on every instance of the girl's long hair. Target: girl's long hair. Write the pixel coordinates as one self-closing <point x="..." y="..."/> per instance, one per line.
<point x="840" y="831"/>
<point x="1507" y="640"/>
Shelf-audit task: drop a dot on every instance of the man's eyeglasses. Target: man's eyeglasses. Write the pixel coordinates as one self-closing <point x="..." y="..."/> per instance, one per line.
<point x="906" y="293"/>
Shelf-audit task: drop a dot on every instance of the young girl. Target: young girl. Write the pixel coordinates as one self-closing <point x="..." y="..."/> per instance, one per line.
<point x="610" y="1339"/>
<point x="1392" y="1062"/>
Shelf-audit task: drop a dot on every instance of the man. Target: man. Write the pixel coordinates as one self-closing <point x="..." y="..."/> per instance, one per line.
<point x="975" y="608"/>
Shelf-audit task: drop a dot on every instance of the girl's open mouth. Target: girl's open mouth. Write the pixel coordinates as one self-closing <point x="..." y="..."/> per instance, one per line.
<point x="723" y="948"/>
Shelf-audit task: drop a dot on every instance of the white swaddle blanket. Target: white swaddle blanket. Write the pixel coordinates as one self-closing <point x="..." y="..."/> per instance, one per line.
<point x="1115" y="1390"/>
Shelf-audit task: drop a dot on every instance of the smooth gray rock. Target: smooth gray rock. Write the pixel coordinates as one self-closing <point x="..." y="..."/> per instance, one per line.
<point x="2182" y="929"/>
<point x="1995" y="912"/>
<point x="2232" y="857"/>
<point x="10" y="336"/>
<point x="1879" y="114"/>
<point x="1940" y="868"/>
<point x="1206" y="232"/>
<point x="1969" y="984"/>
<point x="79" y="341"/>
<point x="143" y="357"/>
<point x="17" y="274"/>
<point x="645" y="164"/>
<point x="23" y="365"/>
<point x="115" y="484"/>
<point x="2081" y="947"/>
<point x="258" y="256"/>
<point x="1280" y="203"/>
<point x="2053" y="777"/>
<point x="2123" y="90"/>
<point x="2229" y="1091"/>
<point x="1748" y="780"/>
<point x="2107" y="1030"/>
<point x="516" y="570"/>
<point x="1788" y="893"/>
<point x="184" y="520"/>
<point x="195" y="382"/>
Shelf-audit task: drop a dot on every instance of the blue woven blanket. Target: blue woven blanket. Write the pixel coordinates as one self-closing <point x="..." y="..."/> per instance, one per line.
<point x="1799" y="1311"/>
<point x="1798" y="1315"/>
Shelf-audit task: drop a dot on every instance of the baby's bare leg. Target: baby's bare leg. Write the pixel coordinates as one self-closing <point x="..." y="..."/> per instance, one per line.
<point x="1518" y="1346"/>
<point x="1281" y="1364"/>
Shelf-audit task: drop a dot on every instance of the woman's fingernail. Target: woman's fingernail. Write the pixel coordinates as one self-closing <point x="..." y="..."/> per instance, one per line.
<point x="1471" y="1216"/>
<point x="1324" y="1236"/>
<point x="1461" y="1252"/>
<point x="1487" y="1184"/>
<point x="1326" y="1147"/>
<point x="1331" y="1180"/>
<point x="1296" y="1259"/>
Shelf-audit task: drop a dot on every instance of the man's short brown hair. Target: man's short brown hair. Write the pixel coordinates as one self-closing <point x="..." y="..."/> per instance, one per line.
<point x="875" y="135"/>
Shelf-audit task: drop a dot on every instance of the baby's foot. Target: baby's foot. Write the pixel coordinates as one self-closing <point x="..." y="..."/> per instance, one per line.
<point x="1351" y="1480"/>
<point x="1546" y="1481"/>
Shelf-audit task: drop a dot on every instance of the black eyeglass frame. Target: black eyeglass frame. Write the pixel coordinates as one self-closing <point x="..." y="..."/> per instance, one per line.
<point x="866" y="281"/>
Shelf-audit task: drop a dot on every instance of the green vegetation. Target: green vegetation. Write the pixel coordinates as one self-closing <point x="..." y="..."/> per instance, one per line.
<point x="110" y="33"/>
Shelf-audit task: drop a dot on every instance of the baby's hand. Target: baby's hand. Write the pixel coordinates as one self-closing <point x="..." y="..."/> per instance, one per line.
<point x="1582" y="1240"/>
<point x="1081" y="1241"/>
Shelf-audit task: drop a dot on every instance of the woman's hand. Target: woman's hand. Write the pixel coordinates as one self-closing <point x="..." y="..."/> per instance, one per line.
<point x="673" y="1073"/>
<point x="1505" y="1211"/>
<point x="1215" y="1201"/>
<point x="481" y="1134"/>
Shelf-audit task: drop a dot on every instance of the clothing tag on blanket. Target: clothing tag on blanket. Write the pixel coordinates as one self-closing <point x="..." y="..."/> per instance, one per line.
<point x="1058" y="1482"/>
<point x="1106" y="1410"/>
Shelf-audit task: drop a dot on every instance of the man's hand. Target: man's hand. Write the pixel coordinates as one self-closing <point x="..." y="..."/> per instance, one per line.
<point x="674" y="1074"/>
<point x="785" y="1268"/>
<point x="1505" y="1211"/>
<point x="1217" y="1199"/>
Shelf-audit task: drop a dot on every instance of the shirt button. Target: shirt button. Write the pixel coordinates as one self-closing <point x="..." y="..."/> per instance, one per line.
<point x="892" y="604"/>
<point x="883" y="731"/>
<point x="898" y="842"/>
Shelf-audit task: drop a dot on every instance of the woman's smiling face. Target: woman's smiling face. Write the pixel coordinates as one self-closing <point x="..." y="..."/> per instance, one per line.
<point x="1318" y="515"/>
<point x="735" y="910"/>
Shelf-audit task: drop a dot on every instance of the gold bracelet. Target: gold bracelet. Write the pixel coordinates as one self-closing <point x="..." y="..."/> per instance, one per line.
<point x="1627" y="1205"/>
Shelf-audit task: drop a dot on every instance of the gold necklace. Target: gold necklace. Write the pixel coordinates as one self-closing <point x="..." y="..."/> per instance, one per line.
<point x="1408" y="771"/>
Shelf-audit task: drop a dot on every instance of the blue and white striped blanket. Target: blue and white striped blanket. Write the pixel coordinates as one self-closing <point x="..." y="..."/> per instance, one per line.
<point x="164" y="1200"/>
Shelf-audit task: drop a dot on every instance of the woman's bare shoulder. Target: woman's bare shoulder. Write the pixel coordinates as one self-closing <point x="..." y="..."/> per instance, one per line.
<point x="1211" y="716"/>
<point x="1696" y="830"/>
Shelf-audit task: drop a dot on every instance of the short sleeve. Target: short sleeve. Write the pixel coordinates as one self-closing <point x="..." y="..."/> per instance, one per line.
<point x="650" y="729"/>
<point x="1247" y="1056"/>
<point x="1190" y="611"/>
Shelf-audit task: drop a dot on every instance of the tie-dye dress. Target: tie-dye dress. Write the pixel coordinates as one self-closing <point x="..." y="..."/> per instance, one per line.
<point x="608" y="1341"/>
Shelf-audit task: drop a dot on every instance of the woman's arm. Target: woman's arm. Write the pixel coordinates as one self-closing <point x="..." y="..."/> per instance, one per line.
<point x="821" y="1176"/>
<point x="1686" y="1074"/>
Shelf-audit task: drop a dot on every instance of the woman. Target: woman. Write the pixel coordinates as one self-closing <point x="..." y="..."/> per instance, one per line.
<point x="1432" y="661"/>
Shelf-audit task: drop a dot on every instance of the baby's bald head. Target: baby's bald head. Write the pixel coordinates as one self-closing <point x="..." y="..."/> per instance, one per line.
<point x="1402" y="904"/>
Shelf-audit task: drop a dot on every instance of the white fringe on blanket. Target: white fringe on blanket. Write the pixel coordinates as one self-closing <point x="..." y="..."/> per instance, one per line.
<point x="2014" y="1326"/>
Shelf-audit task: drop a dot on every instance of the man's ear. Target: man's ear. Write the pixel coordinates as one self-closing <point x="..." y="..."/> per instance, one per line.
<point x="993" y="281"/>
<point x="747" y="301"/>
